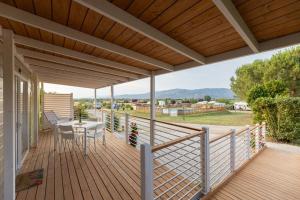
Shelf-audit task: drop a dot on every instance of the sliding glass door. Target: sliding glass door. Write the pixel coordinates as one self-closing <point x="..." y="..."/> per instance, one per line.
<point x="22" y="133"/>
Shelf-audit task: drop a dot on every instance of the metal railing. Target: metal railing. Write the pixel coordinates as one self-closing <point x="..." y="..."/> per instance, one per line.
<point x="181" y="162"/>
<point x="190" y="166"/>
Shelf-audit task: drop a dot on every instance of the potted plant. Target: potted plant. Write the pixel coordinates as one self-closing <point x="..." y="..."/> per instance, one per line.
<point x="133" y="134"/>
<point x="80" y="110"/>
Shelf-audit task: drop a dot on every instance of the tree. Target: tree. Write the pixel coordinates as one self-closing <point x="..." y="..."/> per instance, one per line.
<point x="207" y="98"/>
<point x="284" y="66"/>
<point x="247" y="76"/>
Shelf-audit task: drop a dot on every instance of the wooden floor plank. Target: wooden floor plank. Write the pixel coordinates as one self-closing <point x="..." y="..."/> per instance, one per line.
<point x="112" y="172"/>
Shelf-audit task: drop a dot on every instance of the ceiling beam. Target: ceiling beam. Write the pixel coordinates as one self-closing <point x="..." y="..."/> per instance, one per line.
<point x="36" y="21"/>
<point x="67" y="75"/>
<point x="109" y="10"/>
<point x="74" y="69"/>
<point x="233" y="16"/>
<point x="277" y="43"/>
<point x="77" y="76"/>
<point x="52" y="80"/>
<point x="74" y="63"/>
<point x="78" y="55"/>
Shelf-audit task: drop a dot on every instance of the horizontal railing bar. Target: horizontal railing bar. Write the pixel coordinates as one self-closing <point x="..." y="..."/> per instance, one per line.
<point x="175" y="185"/>
<point x="173" y="129"/>
<point x="179" y="125"/>
<point x="221" y="136"/>
<point x="174" y="159"/>
<point x="176" y="141"/>
<point x="215" y="143"/>
<point x="221" y="147"/>
<point x="176" y="193"/>
<point x="188" y="192"/>
<point x="170" y="170"/>
<point x="224" y="175"/>
<point x="178" y="174"/>
<point x="219" y="172"/>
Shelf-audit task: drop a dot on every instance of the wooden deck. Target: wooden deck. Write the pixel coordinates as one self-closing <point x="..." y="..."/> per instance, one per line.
<point x="109" y="172"/>
<point x="113" y="172"/>
<point x="272" y="175"/>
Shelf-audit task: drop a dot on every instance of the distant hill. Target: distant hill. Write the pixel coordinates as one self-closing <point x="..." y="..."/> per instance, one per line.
<point x="184" y="93"/>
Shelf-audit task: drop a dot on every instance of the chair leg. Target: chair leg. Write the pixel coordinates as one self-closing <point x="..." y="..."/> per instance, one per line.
<point x="95" y="143"/>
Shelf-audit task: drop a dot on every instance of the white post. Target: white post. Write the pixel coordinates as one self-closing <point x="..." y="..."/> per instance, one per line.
<point x="126" y="128"/>
<point x="152" y="108"/>
<point x="232" y="150"/>
<point x="95" y="103"/>
<point x="257" y="130"/>
<point x="205" y="160"/>
<point x="248" y="144"/>
<point x="146" y="172"/>
<point x="112" y="101"/>
<point x="35" y="110"/>
<point x="263" y="132"/>
<point x="9" y="115"/>
<point x="42" y="105"/>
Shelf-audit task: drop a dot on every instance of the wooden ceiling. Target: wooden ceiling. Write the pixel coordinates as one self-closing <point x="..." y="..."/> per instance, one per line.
<point x="199" y="25"/>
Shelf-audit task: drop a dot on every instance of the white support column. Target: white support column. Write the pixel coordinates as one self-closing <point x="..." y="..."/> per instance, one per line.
<point x="112" y="101"/>
<point x="152" y="108"/>
<point x="146" y="172"/>
<point x="232" y="150"/>
<point x="35" y="110"/>
<point x="126" y="128"/>
<point x="95" y="102"/>
<point x="42" y="105"/>
<point x="248" y="144"/>
<point x="257" y="132"/>
<point x="205" y="151"/>
<point x="263" y="132"/>
<point x="9" y="113"/>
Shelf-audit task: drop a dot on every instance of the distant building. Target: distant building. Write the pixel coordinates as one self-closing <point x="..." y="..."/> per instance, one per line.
<point x="161" y="103"/>
<point x="241" y="106"/>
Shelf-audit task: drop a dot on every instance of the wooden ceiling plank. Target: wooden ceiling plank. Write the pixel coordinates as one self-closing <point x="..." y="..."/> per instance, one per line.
<point x="78" y="55"/>
<point x="61" y="81"/>
<point x="108" y="9"/>
<point x="281" y="42"/>
<point x="76" y="76"/>
<point x="51" y="26"/>
<point x="57" y="66"/>
<point x="78" y="64"/>
<point x="232" y="15"/>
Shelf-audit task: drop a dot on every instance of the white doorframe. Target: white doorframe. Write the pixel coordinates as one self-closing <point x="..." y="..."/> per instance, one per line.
<point x="9" y="112"/>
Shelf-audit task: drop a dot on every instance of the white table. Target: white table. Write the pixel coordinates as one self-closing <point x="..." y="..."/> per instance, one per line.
<point x="75" y="124"/>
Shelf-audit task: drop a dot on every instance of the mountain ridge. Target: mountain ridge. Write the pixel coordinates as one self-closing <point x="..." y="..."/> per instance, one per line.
<point x="183" y="93"/>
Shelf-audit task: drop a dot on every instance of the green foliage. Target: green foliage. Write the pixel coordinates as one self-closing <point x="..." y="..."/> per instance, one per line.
<point x="282" y="115"/>
<point x="269" y="89"/>
<point x="207" y="98"/>
<point x="80" y="110"/>
<point x="284" y="66"/>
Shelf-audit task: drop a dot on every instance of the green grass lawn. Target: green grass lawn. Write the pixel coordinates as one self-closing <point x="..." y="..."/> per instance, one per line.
<point x="213" y="118"/>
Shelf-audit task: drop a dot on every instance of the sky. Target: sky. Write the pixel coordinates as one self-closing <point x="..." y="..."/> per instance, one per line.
<point x="215" y="75"/>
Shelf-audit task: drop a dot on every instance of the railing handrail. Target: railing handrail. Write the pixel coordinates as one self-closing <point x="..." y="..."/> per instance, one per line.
<point x="176" y="141"/>
<point x="237" y="133"/>
<point x="221" y="136"/>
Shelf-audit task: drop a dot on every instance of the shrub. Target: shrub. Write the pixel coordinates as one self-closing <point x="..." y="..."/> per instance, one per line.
<point x="282" y="115"/>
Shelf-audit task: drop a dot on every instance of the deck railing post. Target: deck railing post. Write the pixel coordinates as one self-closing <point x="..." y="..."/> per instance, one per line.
<point x="146" y="172"/>
<point x="126" y="128"/>
<point x="263" y="132"/>
<point x="232" y="150"/>
<point x="257" y="133"/>
<point x="205" y="160"/>
<point x="248" y="143"/>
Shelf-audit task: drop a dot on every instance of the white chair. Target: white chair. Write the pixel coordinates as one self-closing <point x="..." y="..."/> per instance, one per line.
<point x="97" y="132"/>
<point x="68" y="133"/>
